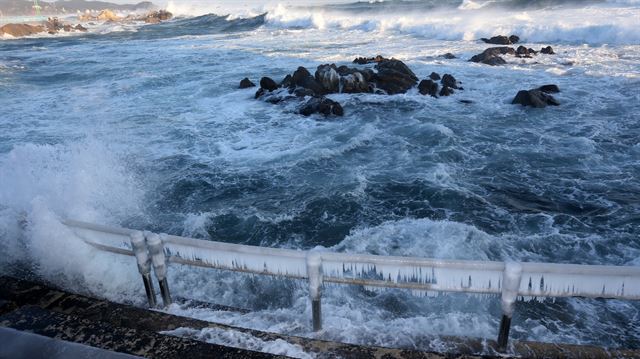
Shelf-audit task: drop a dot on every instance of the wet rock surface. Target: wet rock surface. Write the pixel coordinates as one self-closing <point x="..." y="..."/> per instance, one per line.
<point x="246" y="83"/>
<point x="538" y="98"/>
<point x="502" y="40"/>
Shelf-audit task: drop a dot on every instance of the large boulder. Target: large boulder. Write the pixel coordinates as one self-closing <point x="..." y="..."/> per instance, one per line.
<point x="502" y="40"/>
<point x="446" y="91"/>
<point x="328" y="76"/>
<point x="450" y="81"/>
<point x="534" y="98"/>
<point x="394" y="77"/>
<point x="107" y="15"/>
<point x="434" y="76"/>
<point x="155" y="17"/>
<point x="491" y="56"/>
<point x="302" y="78"/>
<point x="21" y="30"/>
<point x="268" y="84"/>
<point x="428" y="87"/>
<point x="321" y="105"/>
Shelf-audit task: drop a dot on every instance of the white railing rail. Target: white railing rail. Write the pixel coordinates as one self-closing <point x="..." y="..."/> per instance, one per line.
<point x="423" y="276"/>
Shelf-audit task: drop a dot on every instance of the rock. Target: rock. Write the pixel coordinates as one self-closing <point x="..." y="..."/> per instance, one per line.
<point x="446" y="91"/>
<point x="532" y="51"/>
<point x="268" y="84"/>
<point x="522" y="51"/>
<point x="107" y="15"/>
<point x="368" y="60"/>
<point x="155" y="17"/>
<point x="549" y="88"/>
<point x="547" y="50"/>
<point x="302" y="78"/>
<point x="449" y="81"/>
<point x="321" y="105"/>
<point x="287" y="82"/>
<point x="428" y="87"/>
<point x="534" y="98"/>
<point x="246" y="83"/>
<point x="502" y="40"/>
<point x="20" y="30"/>
<point x="466" y="102"/>
<point x="354" y="83"/>
<point x="449" y="56"/>
<point x="394" y="77"/>
<point x="328" y="77"/>
<point x="491" y="56"/>
<point x="259" y="93"/>
<point x="67" y="28"/>
<point x="80" y="28"/>
<point x="434" y="76"/>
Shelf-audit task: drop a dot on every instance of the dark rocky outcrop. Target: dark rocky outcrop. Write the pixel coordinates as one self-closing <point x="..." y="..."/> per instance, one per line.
<point x="450" y="81"/>
<point x="434" y="76"/>
<point x="491" y="56"/>
<point x="268" y="84"/>
<point x="502" y="40"/>
<point x="246" y="83"/>
<point x="302" y="78"/>
<point x="446" y="91"/>
<point x="368" y="60"/>
<point x="522" y="51"/>
<point x="321" y="105"/>
<point x="534" y="98"/>
<point x="428" y="87"/>
<point x="547" y="50"/>
<point x="80" y="28"/>
<point x="394" y="77"/>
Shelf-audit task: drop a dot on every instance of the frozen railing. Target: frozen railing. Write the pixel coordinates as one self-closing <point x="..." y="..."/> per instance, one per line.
<point x="423" y="276"/>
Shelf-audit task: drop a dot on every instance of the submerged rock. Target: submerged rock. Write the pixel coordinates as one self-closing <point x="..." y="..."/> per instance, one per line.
<point x="323" y="106"/>
<point x="428" y="87"/>
<point x="246" y="83"/>
<point x="434" y="76"/>
<point x="549" y="88"/>
<point x="449" y="56"/>
<point x="534" y="98"/>
<point x="502" y="40"/>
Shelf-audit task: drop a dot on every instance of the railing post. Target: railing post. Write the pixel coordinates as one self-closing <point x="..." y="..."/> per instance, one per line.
<point x="314" y="272"/>
<point x="156" y="250"/>
<point x="511" y="278"/>
<point x="139" y="247"/>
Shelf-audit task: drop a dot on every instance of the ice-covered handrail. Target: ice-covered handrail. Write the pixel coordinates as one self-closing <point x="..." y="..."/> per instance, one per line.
<point x="421" y="275"/>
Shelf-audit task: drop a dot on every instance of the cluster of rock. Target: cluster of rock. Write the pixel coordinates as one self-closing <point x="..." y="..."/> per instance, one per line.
<point x="493" y="55"/>
<point x="539" y="97"/>
<point x="391" y="76"/>
<point x="51" y="26"/>
<point x="153" y="17"/>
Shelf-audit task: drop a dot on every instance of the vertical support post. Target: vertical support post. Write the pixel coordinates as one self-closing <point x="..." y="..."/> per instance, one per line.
<point x="139" y="247"/>
<point x="156" y="250"/>
<point x="511" y="278"/>
<point x="314" y="272"/>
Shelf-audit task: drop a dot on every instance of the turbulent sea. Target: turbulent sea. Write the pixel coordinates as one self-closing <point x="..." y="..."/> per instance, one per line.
<point x="145" y="127"/>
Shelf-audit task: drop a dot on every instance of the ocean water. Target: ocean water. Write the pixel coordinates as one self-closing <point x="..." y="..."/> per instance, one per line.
<point x="145" y="127"/>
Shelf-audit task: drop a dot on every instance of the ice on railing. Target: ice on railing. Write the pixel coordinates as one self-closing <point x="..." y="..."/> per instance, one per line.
<point x="542" y="284"/>
<point x="429" y="277"/>
<point x="286" y="262"/>
<point x="95" y="236"/>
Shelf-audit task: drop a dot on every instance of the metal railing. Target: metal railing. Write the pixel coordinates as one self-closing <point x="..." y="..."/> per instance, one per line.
<point x="423" y="276"/>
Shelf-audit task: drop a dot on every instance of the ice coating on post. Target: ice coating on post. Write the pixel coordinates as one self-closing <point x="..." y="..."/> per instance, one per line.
<point x="138" y="244"/>
<point x="314" y="273"/>
<point x="157" y="255"/>
<point x="510" y="285"/>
